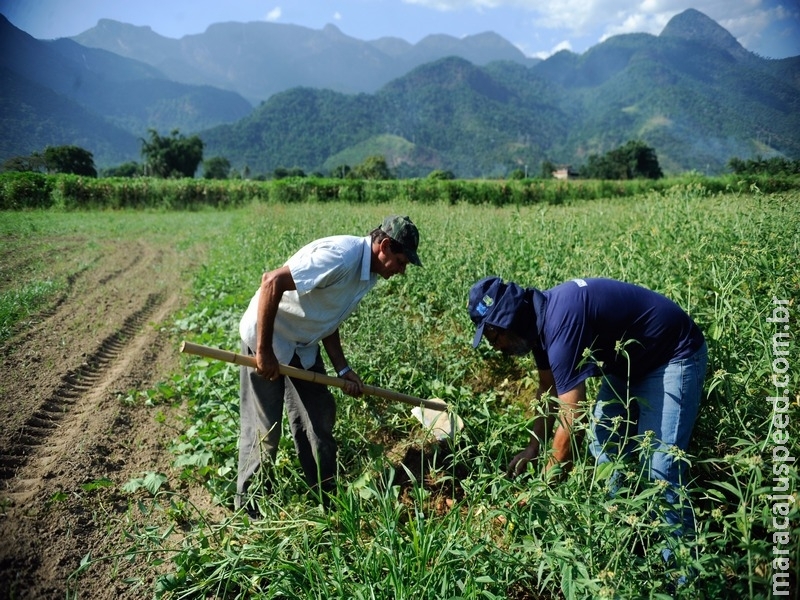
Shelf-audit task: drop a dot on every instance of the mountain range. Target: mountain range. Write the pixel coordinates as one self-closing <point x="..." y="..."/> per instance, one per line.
<point x="265" y="95"/>
<point x="259" y="59"/>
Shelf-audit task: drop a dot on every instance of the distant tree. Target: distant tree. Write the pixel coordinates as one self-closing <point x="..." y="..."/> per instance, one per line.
<point x="633" y="160"/>
<point x="69" y="159"/>
<point x="173" y="156"/>
<point x="547" y="170"/>
<point x="517" y="174"/>
<point x="34" y="163"/>
<point x="601" y="167"/>
<point x="737" y="165"/>
<point x="776" y="166"/>
<point x="217" y="167"/>
<point x="283" y="172"/>
<point x="373" y="167"/>
<point x="441" y="175"/>
<point x="642" y="160"/>
<point x="128" y="169"/>
<point x="341" y="172"/>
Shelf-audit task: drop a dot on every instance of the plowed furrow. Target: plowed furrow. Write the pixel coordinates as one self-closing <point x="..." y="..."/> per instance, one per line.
<point x="74" y="385"/>
<point x="119" y="272"/>
<point x="50" y="311"/>
<point x="11" y="462"/>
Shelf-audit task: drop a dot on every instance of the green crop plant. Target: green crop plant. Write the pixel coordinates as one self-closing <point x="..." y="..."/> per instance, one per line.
<point x="418" y="520"/>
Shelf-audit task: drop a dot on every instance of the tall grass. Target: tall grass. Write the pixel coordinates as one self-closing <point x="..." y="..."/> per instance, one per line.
<point x="414" y="519"/>
<point x="20" y="191"/>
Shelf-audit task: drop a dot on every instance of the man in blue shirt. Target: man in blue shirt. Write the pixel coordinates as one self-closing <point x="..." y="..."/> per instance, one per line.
<point x="649" y="352"/>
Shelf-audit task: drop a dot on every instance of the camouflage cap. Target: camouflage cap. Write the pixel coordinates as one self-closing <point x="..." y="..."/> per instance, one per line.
<point x="405" y="233"/>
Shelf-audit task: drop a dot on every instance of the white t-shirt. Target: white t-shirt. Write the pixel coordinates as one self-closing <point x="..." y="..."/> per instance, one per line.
<point x="331" y="275"/>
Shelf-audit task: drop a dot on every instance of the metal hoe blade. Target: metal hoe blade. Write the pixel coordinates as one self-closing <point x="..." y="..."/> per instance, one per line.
<point x="440" y="424"/>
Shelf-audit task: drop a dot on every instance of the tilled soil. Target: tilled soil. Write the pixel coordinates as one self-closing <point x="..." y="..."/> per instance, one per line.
<point x="70" y="423"/>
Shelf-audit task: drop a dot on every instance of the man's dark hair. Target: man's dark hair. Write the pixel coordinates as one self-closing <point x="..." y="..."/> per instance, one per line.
<point x="377" y="235"/>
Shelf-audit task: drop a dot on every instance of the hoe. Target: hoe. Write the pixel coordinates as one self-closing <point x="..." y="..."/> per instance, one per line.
<point x="433" y="414"/>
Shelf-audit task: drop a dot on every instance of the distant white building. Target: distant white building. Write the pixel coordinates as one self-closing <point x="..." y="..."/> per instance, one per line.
<point x="564" y="172"/>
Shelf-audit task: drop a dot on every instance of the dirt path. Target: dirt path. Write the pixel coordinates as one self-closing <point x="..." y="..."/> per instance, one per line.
<point x="64" y="378"/>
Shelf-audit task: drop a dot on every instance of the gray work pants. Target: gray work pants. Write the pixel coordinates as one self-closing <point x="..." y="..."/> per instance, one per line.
<point x="311" y="410"/>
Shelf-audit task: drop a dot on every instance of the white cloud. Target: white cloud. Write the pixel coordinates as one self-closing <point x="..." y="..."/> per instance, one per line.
<point x="274" y="14"/>
<point x="748" y="29"/>
<point x="337" y="16"/>
<point x="449" y="5"/>
<point x="592" y="21"/>
<point x="611" y="16"/>
<point x="565" y="45"/>
<point x="638" y="23"/>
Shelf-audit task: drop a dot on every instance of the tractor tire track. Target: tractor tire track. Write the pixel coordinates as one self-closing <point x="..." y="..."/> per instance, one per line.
<point x="75" y="385"/>
<point x="63" y="375"/>
<point x="53" y="342"/>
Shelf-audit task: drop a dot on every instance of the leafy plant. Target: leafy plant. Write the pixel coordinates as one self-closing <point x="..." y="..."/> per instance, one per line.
<point x="151" y="482"/>
<point x="415" y="519"/>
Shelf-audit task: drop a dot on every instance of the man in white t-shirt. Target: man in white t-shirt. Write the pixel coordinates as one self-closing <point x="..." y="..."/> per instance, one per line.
<point x="298" y="306"/>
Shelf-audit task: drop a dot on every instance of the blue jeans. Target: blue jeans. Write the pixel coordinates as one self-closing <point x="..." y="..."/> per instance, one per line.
<point x="665" y="402"/>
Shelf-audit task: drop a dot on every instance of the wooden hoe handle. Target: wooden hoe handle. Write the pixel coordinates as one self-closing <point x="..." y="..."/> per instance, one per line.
<point x="312" y="376"/>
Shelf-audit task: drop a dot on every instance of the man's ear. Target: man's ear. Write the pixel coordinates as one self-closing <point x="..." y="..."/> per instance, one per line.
<point x="385" y="244"/>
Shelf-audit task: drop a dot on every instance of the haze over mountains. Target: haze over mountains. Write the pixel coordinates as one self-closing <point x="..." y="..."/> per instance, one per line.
<point x="260" y="59"/>
<point x="266" y="95"/>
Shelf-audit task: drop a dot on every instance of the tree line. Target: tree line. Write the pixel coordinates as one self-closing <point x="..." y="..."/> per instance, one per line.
<point x="177" y="156"/>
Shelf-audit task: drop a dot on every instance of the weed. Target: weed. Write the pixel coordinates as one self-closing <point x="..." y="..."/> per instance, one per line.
<point x="415" y="520"/>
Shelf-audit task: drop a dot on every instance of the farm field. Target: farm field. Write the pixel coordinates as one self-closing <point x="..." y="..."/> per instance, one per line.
<point x="118" y="454"/>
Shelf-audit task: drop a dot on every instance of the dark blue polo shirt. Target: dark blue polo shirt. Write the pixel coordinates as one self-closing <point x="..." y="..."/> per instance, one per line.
<point x="599" y="313"/>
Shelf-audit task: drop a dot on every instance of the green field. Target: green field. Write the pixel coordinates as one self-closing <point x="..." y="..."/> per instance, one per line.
<point x="418" y="521"/>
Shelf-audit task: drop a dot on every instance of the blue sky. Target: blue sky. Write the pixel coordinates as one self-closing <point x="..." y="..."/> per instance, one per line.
<point x="770" y="28"/>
